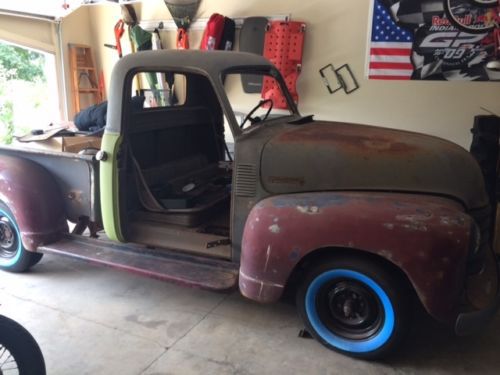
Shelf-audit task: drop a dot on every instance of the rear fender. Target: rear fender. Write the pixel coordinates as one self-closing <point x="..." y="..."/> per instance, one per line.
<point x="34" y="198"/>
<point x="426" y="237"/>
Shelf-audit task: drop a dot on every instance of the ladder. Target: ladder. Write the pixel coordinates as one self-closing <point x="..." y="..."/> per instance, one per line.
<point x="85" y="86"/>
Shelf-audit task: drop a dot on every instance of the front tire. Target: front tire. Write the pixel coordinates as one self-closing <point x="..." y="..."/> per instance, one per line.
<point x="13" y="256"/>
<point x="355" y="306"/>
<point x="19" y="352"/>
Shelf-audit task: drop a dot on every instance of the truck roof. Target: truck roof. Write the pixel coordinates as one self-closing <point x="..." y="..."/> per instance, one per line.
<point x="207" y="61"/>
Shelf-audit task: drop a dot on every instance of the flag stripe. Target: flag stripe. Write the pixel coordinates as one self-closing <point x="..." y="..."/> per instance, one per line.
<point x="384" y="58"/>
<point x="391" y="45"/>
<point x="391" y="51"/>
<point x="391" y="65"/>
<point x="391" y="72"/>
<point x="392" y="78"/>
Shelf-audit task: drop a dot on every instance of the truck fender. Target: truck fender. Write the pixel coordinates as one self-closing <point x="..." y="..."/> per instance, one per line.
<point x="35" y="200"/>
<point x="426" y="237"/>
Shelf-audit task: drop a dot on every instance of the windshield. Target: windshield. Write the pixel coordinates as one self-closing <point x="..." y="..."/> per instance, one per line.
<point x="255" y="98"/>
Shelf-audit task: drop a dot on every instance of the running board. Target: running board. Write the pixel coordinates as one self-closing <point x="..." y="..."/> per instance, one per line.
<point x="158" y="264"/>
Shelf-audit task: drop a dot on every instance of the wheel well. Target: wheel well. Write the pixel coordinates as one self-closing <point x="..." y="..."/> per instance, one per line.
<point x="323" y="254"/>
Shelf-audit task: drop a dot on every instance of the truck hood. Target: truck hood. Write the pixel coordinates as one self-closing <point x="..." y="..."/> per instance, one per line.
<point x="326" y="156"/>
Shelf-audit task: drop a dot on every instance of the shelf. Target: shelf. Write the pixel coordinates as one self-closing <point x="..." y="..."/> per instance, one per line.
<point x="200" y="23"/>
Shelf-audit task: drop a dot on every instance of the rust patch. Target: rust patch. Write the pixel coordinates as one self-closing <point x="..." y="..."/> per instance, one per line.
<point x="416" y="226"/>
<point x="452" y="221"/>
<point x="360" y="136"/>
<point x="414" y="218"/>
<point x="294" y="255"/>
<point x="76" y="195"/>
<point x="300" y="181"/>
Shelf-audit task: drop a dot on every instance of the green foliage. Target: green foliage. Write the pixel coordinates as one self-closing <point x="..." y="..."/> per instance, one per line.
<point x="21" y="63"/>
<point x="7" y="123"/>
<point x="16" y="64"/>
<point x="6" y="110"/>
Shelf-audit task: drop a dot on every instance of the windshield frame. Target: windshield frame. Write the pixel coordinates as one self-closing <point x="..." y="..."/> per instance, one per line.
<point x="264" y="70"/>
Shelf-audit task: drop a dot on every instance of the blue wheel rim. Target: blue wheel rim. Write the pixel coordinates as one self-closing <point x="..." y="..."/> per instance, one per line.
<point x="9" y="261"/>
<point x="354" y="346"/>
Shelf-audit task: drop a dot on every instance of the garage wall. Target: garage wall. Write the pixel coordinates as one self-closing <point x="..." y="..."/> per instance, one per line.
<point x="336" y="33"/>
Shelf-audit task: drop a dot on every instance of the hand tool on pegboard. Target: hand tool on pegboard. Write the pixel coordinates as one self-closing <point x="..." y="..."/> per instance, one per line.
<point x="212" y="34"/>
<point x="183" y="13"/>
<point x="118" y="30"/>
<point x="283" y="46"/>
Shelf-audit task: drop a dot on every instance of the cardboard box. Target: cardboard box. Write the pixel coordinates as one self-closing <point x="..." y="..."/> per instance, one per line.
<point x="72" y="144"/>
<point x="77" y="143"/>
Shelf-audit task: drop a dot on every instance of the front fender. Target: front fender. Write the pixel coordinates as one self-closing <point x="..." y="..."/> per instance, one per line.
<point x="35" y="200"/>
<point x="426" y="237"/>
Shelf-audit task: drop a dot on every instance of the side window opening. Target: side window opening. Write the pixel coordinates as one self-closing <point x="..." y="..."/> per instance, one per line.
<point x="177" y="165"/>
<point x="256" y="103"/>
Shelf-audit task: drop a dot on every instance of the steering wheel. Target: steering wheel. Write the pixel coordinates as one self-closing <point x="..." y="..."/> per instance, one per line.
<point x="253" y="120"/>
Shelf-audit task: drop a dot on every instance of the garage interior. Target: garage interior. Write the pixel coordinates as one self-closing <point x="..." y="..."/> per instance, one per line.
<point x="100" y="320"/>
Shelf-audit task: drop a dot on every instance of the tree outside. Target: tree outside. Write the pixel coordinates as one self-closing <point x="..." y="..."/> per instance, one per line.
<point x="23" y="89"/>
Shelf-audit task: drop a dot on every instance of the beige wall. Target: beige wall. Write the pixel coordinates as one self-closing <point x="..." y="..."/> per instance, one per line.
<point x="336" y="33"/>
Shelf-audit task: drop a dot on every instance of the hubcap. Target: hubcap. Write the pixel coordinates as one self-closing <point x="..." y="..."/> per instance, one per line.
<point x="8" y="240"/>
<point x="350" y="309"/>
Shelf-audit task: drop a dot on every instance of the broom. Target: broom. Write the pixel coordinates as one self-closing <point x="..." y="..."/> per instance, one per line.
<point x="183" y="12"/>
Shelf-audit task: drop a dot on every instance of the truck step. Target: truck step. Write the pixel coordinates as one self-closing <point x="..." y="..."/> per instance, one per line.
<point x="158" y="264"/>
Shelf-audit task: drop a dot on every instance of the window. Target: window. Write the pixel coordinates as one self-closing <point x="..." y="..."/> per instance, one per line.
<point x="26" y="76"/>
<point x="160" y="89"/>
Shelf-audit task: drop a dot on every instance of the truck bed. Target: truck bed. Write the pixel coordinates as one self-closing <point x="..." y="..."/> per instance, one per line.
<point x="76" y="175"/>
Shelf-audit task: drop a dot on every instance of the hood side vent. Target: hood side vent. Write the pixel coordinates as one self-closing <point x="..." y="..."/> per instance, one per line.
<point x="246" y="180"/>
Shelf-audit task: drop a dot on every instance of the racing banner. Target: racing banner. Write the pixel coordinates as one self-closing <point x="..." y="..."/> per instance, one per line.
<point x="415" y="39"/>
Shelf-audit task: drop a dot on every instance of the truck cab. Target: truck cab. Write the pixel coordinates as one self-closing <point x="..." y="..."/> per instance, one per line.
<point x="201" y="183"/>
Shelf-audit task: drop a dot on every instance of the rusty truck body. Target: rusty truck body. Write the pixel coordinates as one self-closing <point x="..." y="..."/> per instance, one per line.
<point x="358" y="221"/>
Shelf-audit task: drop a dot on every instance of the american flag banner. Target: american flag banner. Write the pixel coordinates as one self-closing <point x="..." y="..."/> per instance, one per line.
<point x="414" y="39"/>
<point x="390" y="47"/>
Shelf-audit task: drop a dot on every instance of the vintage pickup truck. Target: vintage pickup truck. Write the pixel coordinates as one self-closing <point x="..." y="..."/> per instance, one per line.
<point x="359" y="222"/>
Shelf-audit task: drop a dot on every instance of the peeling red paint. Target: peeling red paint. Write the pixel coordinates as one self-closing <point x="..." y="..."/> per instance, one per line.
<point x="34" y="199"/>
<point x="407" y="230"/>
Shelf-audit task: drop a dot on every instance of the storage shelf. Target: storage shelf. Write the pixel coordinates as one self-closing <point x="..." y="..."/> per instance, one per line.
<point x="201" y="23"/>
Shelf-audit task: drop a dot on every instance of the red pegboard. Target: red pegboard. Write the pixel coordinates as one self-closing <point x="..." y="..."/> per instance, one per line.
<point x="283" y="46"/>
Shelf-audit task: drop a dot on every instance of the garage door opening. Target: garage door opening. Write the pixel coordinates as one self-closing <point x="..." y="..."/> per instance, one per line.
<point x="28" y="91"/>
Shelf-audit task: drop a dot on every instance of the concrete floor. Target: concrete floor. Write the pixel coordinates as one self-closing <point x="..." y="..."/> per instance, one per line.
<point x="91" y="320"/>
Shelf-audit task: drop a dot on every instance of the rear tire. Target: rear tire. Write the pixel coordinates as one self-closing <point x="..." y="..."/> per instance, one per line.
<point x="13" y="256"/>
<point x="355" y="306"/>
<point x="19" y="350"/>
